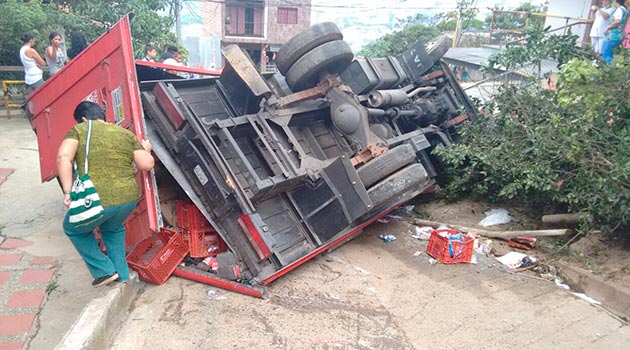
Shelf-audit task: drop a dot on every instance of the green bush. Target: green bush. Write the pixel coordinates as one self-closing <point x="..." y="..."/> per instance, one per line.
<point x="552" y="150"/>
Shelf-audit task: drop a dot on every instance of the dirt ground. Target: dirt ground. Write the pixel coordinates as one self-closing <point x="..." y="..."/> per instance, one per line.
<point x="369" y="294"/>
<point x="605" y="256"/>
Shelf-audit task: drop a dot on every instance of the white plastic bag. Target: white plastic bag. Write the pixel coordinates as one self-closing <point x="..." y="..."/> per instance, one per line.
<point x="495" y="217"/>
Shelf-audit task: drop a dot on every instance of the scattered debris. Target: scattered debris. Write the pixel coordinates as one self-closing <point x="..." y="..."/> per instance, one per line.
<point x="587" y="298"/>
<point x="214" y="294"/>
<point x="515" y="260"/>
<point x="404" y="209"/>
<point x="417" y="253"/>
<point x="506" y="235"/>
<point x="432" y="261"/>
<point x="483" y="246"/>
<point x="384" y="220"/>
<point x="496" y="217"/>
<point x="560" y="283"/>
<point x="525" y="243"/>
<point x="387" y="238"/>
<point x="422" y="233"/>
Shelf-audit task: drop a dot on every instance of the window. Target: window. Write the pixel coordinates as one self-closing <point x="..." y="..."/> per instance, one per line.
<point x="287" y="15"/>
<point x="244" y="21"/>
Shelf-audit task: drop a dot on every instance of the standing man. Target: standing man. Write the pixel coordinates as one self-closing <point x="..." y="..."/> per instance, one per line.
<point x="601" y="22"/>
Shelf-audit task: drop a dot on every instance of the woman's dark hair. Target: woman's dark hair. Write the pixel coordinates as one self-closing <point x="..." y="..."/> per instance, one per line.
<point x="77" y="44"/>
<point x="27" y="37"/>
<point x="621" y="2"/>
<point x="88" y="110"/>
<point x="53" y="35"/>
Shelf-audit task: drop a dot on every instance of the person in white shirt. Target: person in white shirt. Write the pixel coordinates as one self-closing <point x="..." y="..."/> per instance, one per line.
<point x="32" y="62"/>
<point x="602" y="21"/>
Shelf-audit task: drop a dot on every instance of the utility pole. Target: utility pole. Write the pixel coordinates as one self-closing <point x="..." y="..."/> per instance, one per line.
<point x="177" y="11"/>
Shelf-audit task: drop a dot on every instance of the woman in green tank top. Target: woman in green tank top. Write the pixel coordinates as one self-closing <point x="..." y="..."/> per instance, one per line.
<point x="113" y="153"/>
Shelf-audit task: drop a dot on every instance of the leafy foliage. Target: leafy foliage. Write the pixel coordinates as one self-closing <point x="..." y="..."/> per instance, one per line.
<point x="92" y="17"/>
<point x="398" y="41"/>
<point x="566" y="150"/>
<point x="537" y="45"/>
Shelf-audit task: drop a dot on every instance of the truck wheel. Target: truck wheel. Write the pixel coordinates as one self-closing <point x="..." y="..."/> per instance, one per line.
<point x="332" y="57"/>
<point x="397" y="184"/>
<point x="304" y="42"/>
<point x="386" y="164"/>
<point x="437" y="47"/>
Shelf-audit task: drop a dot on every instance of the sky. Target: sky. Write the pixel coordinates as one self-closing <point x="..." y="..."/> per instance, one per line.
<point x="362" y="21"/>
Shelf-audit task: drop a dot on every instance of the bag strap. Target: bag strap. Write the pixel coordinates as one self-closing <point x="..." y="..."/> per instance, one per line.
<point x="87" y="151"/>
<point x="87" y="147"/>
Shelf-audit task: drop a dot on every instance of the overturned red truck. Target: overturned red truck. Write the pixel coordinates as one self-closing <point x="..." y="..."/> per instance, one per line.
<point x="283" y="166"/>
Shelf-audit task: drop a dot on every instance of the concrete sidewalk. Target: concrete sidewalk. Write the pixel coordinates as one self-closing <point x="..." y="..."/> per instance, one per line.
<point x="44" y="284"/>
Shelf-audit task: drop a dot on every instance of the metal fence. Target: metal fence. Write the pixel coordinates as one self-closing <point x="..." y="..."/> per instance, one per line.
<point x="510" y="26"/>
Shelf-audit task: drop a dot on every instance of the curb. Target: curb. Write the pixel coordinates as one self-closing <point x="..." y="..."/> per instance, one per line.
<point x="616" y="299"/>
<point x="98" y="320"/>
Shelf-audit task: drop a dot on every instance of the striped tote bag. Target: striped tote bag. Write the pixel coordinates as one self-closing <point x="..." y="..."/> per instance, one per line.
<point x="85" y="204"/>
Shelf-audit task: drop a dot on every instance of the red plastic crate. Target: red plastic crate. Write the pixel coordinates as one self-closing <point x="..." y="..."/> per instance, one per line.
<point x="439" y="248"/>
<point x="156" y="257"/>
<point x="189" y="217"/>
<point x="204" y="242"/>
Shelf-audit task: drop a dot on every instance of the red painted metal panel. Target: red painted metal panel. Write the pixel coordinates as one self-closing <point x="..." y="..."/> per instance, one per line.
<point x="255" y="238"/>
<point x="105" y="74"/>
<point x="199" y="71"/>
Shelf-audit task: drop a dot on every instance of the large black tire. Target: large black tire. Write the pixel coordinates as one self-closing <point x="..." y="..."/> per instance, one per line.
<point x="304" y="42"/>
<point x="437" y="47"/>
<point x="397" y="184"/>
<point x="332" y="57"/>
<point x="386" y="164"/>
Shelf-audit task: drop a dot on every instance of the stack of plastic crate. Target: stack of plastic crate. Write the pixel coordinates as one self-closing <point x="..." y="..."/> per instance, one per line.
<point x="201" y="237"/>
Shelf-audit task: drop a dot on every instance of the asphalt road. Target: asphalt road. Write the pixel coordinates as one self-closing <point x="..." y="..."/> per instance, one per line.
<point x="374" y="295"/>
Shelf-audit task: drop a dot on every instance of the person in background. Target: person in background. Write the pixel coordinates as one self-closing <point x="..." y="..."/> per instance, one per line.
<point x="32" y="62"/>
<point x="55" y="55"/>
<point x="172" y="57"/>
<point x="113" y="153"/>
<point x="150" y="53"/>
<point x="78" y="43"/>
<point x="615" y="31"/>
<point x="601" y="21"/>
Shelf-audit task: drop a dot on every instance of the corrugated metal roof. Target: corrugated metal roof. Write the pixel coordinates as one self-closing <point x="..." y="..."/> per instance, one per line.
<point x="476" y="57"/>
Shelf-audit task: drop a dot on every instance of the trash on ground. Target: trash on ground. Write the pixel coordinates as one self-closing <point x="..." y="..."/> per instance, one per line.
<point x="384" y="220"/>
<point x="513" y="260"/>
<point x="587" y="298"/>
<point x="473" y="259"/>
<point x="525" y="243"/>
<point x="483" y="246"/>
<point x="495" y="217"/>
<point x="450" y="246"/>
<point x="387" y="238"/>
<point x="404" y="209"/>
<point x="432" y="261"/>
<point x="560" y="283"/>
<point x="417" y="253"/>
<point x="393" y="217"/>
<point x="422" y="233"/>
<point x="214" y="294"/>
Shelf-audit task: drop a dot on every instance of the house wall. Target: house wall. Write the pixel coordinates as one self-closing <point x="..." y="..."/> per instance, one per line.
<point x="575" y="9"/>
<point x="213" y="18"/>
<point x="279" y="33"/>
